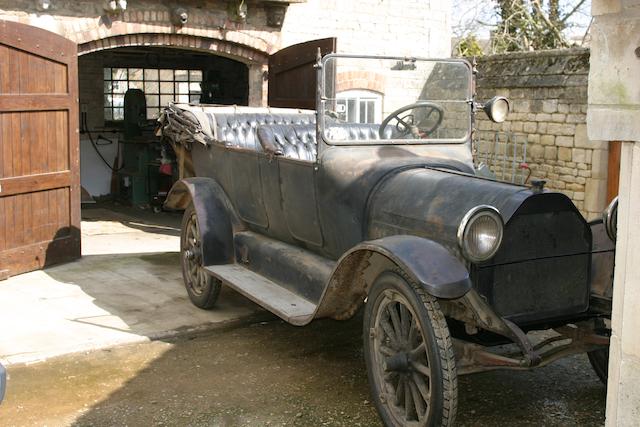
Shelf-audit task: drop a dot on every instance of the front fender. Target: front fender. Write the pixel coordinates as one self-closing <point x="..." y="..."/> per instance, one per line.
<point x="217" y="218"/>
<point x="428" y="263"/>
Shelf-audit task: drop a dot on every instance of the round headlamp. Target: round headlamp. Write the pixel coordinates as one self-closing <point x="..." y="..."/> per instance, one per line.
<point x="610" y="219"/>
<point x="480" y="233"/>
<point x="497" y="109"/>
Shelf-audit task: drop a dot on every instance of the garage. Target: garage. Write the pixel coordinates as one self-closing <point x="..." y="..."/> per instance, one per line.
<point x="122" y="93"/>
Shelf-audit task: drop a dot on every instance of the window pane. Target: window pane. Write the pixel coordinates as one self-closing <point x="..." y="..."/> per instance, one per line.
<point x="119" y="73"/>
<point x="108" y="87"/>
<point x="136" y="85"/>
<point x="363" y="112"/>
<point x="120" y="87"/>
<point x="153" y="113"/>
<point x="166" y="75"/>
<point x="183" y="98"/>
<point x="182" y="75"/>
<point x="166" y="87"/>
<point x="351" y="111"/>
<point x="151" y="75"/>
<point x="371" y="109"/>
<point x="194" y="87"/>
<point x="135" y="73"/>
<point x="195" y="75"/>
<point x="182" y="87"/>
<point x="108" y="100"/>
<point x="118" y="114"/>
<point x="194" y="99"/>
<point x="153" y="100"/>
<point x="118" y="100"/>
<point x="108" y="114"/>
<point x="151" y="87"/>
<point x="165" y="100"/>
<point x="107" y="73"/>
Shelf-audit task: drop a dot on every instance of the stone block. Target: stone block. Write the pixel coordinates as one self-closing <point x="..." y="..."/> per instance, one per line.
<point x="558" y="117"/>
<point x="543" y="117"/>
<point x="599" y="164"/>
<point x="579" y="155"/>
<point x="533" y="138"/>
<point x="536" y="151"/>
<point x="576" y="118"/>
<point x="564" y="141"/>
<point x="550" y="153"/>
<point x="550" y="106"/>
<point x="563" y="108"/>
<point x="578" y="195"/>
<point x="547" y="139"/>
<point x="564" y="153"/>
<point x="521" y="106"/>
<point x="561" y="129"/>
<point x="595" y="194"/>
<point x="583" y="141"/>
<point x="530" y="127"/>
<point x="542" y="127"/>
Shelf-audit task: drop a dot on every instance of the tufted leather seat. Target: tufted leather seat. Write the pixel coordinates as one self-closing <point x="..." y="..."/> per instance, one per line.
<point x="240" y="129"/>
<point x="295" y="141"/>
<point x="357" y="132"/>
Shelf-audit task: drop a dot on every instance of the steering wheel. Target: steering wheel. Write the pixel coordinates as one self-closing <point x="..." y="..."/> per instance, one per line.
<point x="407" y="124"/>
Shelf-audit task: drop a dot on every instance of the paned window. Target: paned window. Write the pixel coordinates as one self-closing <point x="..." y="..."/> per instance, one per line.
<point x="359" y="106"/>
<point x="160" y="87"/>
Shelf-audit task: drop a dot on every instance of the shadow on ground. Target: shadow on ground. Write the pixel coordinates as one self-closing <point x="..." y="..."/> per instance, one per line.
<point x="271" y="373"/>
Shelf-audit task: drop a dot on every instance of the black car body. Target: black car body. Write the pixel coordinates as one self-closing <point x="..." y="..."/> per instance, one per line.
<point x="314" y="214"/>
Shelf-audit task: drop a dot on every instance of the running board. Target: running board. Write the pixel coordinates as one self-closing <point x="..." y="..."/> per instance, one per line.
<point x="278" y="300"/>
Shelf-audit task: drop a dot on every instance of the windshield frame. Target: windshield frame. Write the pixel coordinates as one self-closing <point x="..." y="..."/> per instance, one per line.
<point x="321" y="99"/>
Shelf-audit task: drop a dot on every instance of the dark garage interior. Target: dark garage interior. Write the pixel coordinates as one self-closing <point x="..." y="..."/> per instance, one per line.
<point x="122" y="92"/>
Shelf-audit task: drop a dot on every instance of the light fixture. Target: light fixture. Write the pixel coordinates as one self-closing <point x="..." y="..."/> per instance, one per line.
<point x="275" y="13"/>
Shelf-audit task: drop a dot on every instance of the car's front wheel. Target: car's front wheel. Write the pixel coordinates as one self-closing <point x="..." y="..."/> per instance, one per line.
<point x="409" y="355"/>
<point x="203" y="289"/>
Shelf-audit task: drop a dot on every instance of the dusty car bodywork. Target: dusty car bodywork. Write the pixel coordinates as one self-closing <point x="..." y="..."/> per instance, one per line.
<point x="313" y="214"/>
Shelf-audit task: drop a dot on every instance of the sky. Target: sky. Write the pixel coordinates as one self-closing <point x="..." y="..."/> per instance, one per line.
<point x="476" y="17"/>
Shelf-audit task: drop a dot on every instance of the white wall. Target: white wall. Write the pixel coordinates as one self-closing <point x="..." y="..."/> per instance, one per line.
<point x="390" y="27"/>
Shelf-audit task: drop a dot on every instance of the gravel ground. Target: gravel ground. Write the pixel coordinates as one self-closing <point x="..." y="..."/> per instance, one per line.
<point x="272" y="374"/>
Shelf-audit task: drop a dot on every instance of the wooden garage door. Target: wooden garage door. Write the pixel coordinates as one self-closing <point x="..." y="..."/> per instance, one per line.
<point x="292" y="75"/>
<point x="39" y="163"/>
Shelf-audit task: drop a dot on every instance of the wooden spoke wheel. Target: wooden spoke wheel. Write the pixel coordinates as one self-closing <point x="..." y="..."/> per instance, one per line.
<point x="409" y="355"/>
<point x="203" y="289"/>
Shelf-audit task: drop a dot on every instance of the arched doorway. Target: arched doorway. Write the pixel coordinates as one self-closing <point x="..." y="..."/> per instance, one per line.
<point x="185" y="69"/>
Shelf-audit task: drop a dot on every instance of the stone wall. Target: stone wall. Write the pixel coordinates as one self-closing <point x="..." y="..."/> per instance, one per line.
<point x="548" y="94"/>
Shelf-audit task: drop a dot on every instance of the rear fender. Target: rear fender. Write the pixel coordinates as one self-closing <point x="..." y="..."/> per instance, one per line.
<point x="424" y="261"/>
<point x="217" y="218"/>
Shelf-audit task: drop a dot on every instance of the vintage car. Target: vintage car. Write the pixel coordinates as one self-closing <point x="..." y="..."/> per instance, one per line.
<point x="373" y="202"/>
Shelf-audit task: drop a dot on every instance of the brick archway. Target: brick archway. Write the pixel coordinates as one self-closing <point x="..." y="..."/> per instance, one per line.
<point x="219" y="47"/>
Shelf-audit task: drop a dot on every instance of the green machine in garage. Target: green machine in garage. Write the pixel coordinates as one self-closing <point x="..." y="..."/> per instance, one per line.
<point x="138" y="179"/>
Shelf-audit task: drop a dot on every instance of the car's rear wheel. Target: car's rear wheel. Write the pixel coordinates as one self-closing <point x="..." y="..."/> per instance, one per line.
<point x="203" y="289"/>
<point x="409" y="355"/>
<point x="599" y="360"/>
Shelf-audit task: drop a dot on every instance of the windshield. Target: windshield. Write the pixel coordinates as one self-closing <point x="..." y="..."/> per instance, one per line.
<point x="373" y="100"/>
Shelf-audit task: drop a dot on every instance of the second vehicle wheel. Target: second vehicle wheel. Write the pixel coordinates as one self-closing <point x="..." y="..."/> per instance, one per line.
<point x="600" y="362"/>
<point x="203" y="289"/>
<point x="409" y="355"/>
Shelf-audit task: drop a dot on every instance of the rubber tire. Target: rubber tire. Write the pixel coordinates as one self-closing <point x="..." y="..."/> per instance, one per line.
<point x="599" y="360"/>
<point x="211" y="292"/>
<point x="444" y="381"/>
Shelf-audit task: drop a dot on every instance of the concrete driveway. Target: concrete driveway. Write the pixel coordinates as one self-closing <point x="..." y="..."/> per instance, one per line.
<point x="126" y="288"/>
